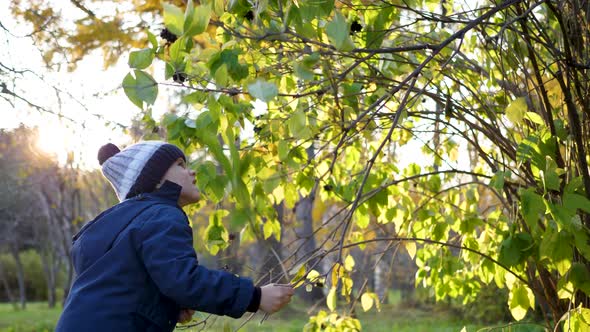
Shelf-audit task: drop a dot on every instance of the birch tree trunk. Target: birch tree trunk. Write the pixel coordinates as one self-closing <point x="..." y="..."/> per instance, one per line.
<point x="20" y="275"/>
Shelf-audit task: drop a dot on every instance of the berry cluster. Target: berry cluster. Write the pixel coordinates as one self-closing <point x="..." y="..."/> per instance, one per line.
<point x="179" y="77"/>
<point x="355" y="27"/>
<point x="168" y="36"/>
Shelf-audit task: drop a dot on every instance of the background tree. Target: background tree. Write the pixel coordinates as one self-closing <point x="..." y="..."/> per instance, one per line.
<point x="43" y="206"/>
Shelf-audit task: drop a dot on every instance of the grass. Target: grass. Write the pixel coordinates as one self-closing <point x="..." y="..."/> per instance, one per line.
<point x="39" y="318"/>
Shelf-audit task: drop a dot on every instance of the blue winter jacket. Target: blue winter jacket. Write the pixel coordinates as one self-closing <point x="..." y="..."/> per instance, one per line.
<point x="136" y="268"/>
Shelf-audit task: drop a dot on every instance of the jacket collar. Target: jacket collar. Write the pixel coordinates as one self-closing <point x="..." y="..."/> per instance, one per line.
<point x="169" y="192"/>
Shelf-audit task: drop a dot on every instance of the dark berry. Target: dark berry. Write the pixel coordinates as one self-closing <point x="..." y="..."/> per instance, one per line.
<point x="319" y="284"/>
<point x="249" y="15"/>
<point x="257" y="129"/>
<point x="355" y="27"/>
<point x="233" y="92"/>
<point x="232" y="236"/>
<point x="179" y="77"/>
<point x="328" y="187"/>
<point x="168" y="36"/>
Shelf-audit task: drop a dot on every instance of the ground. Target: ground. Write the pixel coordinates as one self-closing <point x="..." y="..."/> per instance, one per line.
<point x="39" y="318"/>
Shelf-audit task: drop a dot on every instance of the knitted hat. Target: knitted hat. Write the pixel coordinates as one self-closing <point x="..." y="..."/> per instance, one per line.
<point x="139" y="167"/>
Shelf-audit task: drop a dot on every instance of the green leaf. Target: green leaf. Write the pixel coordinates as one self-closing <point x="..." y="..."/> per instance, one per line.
<point x="141" y="88"/>
<point x="240" y="217"/>
<point x="528" y="149"/>
<point x="297" y="123"/>
<point x="338" y="33"/>
<point x="177" y="54"/>
<point x="509" y="253"/>
<point x="283" y="150"/>
<point x="362" y="218"/>
<point x="577" y="319"/>
<point x="216" y="234"/>
<point x="229" y="57"/>
<point x="497" y="181"/>
<point x="303" y="72"/>
<point x="173" y="18"/>
<point x="551" y="180"/>
<point x="265" y="91"/>
<point x="291" y="195"/>
<point x="556" y="248"/>
<point x="200" y="22"/>
<point x="141" y="59"/>
<point x="205" y="173"/>
<point x="221" y="76"/>
<point x="153" y="41"/>
<point x="311" y="9"/>
<point x="534" y="117"/>
<point x="521" y="298"/>
<point x="515" y="249"/>
<point x="267" y="229"/>
<point x="218" y="7"/>
<point x="239" y="7"/>
<point x="532" y="207"/>
<point x="189" y="13"/>
<point x="168" y="70"/>
<point x="573" y="202"/>
<point x="580" y="277"/>
<point x="516" y="111"/>
<point x="366" y="301"/>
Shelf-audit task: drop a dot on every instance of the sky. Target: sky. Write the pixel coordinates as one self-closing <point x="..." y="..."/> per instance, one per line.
<point x="87" y="92"/>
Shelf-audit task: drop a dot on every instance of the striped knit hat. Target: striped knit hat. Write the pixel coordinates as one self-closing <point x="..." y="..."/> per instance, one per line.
<point x="139" y="167"/>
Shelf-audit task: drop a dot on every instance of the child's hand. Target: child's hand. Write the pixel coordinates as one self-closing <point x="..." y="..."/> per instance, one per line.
<point x="185" y="315"/>
<point x="273" y="297"/>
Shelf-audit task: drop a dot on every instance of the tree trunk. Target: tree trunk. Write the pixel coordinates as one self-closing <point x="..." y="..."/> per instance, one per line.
<point x="49" y="275"/>
<point x="6" y="286"/>
<point x="303" y="213"/>
<point x="20" y="274"/>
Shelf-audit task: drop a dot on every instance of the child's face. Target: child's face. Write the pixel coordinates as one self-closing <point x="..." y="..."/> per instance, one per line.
<point x="183" y="176"/>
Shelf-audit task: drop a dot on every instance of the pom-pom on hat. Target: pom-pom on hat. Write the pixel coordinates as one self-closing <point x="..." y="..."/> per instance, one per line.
<point x="139" y="167"/>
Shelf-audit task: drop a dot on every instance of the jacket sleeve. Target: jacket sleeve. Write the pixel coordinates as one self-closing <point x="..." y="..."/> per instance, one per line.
<point x="166" y="248"/>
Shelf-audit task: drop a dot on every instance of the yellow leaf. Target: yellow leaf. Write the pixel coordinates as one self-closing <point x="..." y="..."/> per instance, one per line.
<point x="346" y="286"/>
<point x="566" y="291"/>
<point x="337" y="272"/>
<point x="298" y="278"/>
<point x="410" y="248"/>
<point x="331" y="299"/>
<point x="267" y="229"/>
<point x="349" y="263"/>
<point x="577" y="319"/>
<point x="516" y="110"/>
<point x="377" y="303"/>
<point x="313" y="274"/>
<point x="366" y="301"/>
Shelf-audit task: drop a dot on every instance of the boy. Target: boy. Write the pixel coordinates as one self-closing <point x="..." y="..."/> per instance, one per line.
<point x="136" y="269"/>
